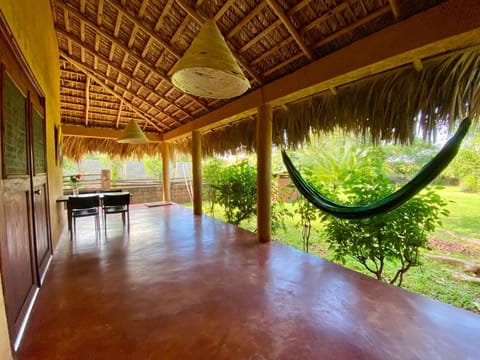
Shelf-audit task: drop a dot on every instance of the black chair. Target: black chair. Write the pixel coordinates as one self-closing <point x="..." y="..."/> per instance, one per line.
<point x="115" y="204"/>
<point x="81" y="206"/>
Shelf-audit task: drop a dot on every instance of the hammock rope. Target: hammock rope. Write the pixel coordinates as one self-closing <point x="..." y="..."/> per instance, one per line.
<point x="426" y="175"/>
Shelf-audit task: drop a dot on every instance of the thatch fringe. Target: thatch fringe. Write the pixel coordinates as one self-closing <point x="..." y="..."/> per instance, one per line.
<point x="76" y="147"/>
<point x="387" y="106"/>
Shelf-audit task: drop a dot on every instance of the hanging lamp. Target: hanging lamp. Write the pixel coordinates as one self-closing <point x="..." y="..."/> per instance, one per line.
<point x="208" y="68"/>
<point x="132" y="134"/>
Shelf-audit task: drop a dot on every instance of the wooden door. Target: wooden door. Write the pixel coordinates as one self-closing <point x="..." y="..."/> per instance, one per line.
<point x="16" y="246"/>
<point x="25" y="245"/>
<point x="43" y="248"/>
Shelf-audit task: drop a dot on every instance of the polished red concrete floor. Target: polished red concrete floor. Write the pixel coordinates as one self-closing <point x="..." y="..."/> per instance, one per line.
<point x="185" y="287"/>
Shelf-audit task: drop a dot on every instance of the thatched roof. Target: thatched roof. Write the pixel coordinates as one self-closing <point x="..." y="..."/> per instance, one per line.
<point x="117" y="55"/>
<point x="388" y="106"/>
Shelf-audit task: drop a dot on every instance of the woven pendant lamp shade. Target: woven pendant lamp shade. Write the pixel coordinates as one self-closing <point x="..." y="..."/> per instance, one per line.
<point x="132" y="134"/>
<point x="208" y="68"/>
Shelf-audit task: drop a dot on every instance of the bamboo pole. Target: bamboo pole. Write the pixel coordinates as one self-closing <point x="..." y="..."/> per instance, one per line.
<point x="166" y="171"/>
<point x="264" y="172"/>
<point x="197" y="172"/>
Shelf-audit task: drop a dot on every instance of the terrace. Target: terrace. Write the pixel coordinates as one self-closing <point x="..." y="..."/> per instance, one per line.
<point x="192" y="287"/>
<point x="74" y="73"/>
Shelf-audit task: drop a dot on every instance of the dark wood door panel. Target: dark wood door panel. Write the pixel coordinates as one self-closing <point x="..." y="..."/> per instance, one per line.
<point x="18" y="271"/>
<point x="42" y="232"/>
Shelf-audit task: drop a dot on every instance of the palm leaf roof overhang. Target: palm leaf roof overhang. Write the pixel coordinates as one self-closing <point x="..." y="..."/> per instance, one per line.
<point x="116" y="55"/>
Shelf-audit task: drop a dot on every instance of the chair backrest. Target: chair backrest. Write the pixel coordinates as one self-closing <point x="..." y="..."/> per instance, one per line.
<point x="116" y="199"/>
<point x="111" y="190"/>
<point x="83" y="202"/>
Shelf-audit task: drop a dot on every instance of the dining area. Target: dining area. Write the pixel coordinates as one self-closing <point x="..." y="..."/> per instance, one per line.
<point x="98" y="205"/>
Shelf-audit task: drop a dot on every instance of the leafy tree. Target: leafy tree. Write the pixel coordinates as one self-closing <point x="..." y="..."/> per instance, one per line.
<point x="210" y="173"/>
<point x="395" y="237"/>
<point x="236" y="187"/>
<point x="153" y="166"/>
<point x="308" y="213"/>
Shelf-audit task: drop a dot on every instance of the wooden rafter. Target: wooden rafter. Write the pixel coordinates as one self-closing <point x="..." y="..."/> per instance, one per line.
<point x="142" y="26"/>
<point x="299" y="6"/>
<point x="143" y="8"/>
<point x="162" y="16"/>
<point x="100" y="12"/>
<point x="87" y="98"/>
<point x="272" y="50"/>
<point x="118" y="24"/>
<point x="151" y="33"/>
<point x="260" y="36"/>
<point x="87" y="71"/>
<point x="321" y="19"/>
<point x="132" y="36"/>
<point x="353" y="26"/>
<point x="66" y="19"/>
<point x="223" y="9"/>
<point x="120" y="46"/>
<point x="283" y="63"/>
<point x="291" y="29"/>
<point x="246" y="19"/>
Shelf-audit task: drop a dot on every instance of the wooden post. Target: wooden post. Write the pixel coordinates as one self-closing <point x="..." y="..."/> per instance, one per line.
<point x="105" y="179"/>
<point x="166" y="171"/>
<point x="264" y="173"/>
<point x="197" y="172"/>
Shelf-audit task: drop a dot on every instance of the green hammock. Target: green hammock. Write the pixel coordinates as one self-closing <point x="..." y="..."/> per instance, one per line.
<point x="428" y="172"/>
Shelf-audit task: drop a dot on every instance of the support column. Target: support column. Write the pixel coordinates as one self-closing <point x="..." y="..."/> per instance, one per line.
<point x="264" y="173"/>
<point x="197" y="172"/>
<point x="166" y="171"/>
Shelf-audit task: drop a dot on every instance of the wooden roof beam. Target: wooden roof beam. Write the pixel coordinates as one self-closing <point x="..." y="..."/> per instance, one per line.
<point x="291" y="29"/>
<point x="449" y="26"/>
<point x="100" y="133"/>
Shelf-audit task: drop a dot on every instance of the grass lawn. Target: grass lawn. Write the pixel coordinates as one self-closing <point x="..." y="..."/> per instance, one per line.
<point x="459" y="236"/>
<point x="464" y="218"/>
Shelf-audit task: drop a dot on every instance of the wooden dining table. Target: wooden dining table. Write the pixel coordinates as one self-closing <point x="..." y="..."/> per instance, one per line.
<point x="64" y="199"/>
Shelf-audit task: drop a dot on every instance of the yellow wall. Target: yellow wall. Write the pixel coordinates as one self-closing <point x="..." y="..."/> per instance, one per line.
<point x="32" y="25"/>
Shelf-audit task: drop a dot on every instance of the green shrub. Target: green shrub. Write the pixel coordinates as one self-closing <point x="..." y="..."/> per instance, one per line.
<point x="469" y="184"/>
<point x="395" y="237"/>
<point x="236" y="191"/>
